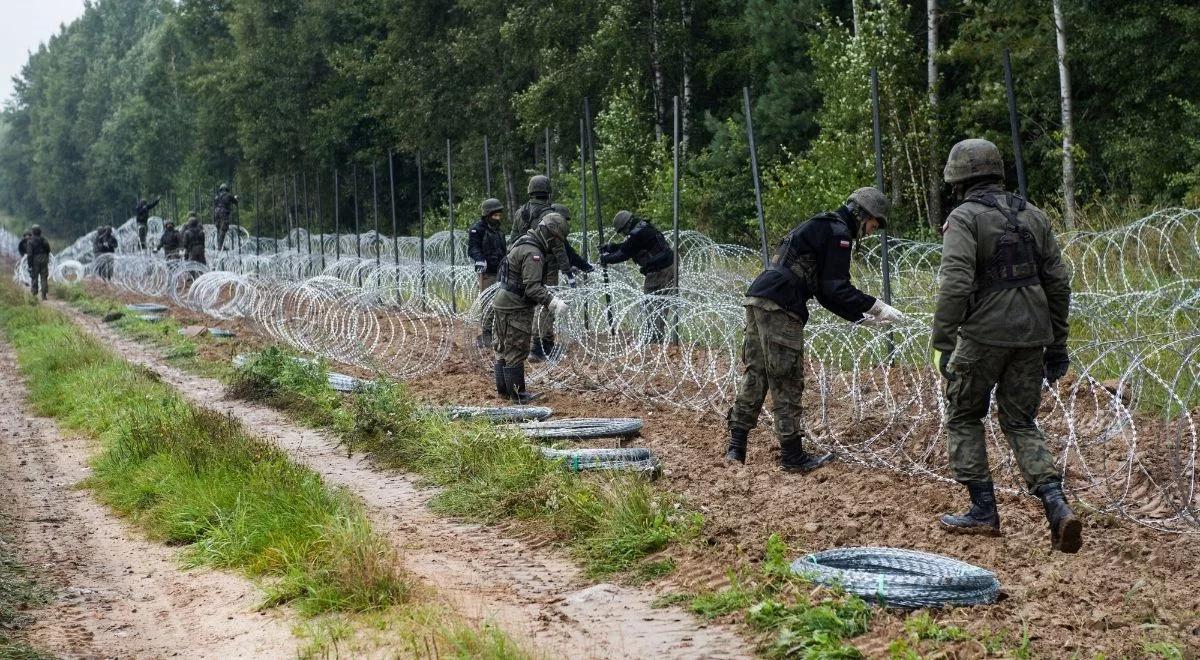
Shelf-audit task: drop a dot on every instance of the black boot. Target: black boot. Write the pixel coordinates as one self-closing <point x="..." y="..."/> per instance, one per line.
<point x="793" y="458"/>
<point x="982" y="518"/>
<point x="736" y="450"/>
<point x="501" y="383"/>
<point x="514" y="378"/>
<point x="1066" y="532"/>
<point x="536" y="352"/>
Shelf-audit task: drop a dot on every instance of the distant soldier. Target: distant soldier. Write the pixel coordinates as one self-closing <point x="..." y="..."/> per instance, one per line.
<point x="142" y="215"/>
<point x="1000" y="324"/>
<point x="812" y="260"/>
<point x="104" y="243"/>
<point x="655" y="259"/>
<point x="564" y="257"/>
<point x="23" y="245"/>
<point x="171" y="242"/>
<point x="223" y="203"/>
<point x="193" y="240"/>
<point x="37" y="251"/>
<point x="523" y="279"/>
<point x="485" y="245"/>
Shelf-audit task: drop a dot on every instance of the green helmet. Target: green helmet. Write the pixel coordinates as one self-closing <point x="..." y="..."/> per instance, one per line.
<point x="973" y="159"/>
<point x="490" y="206"/>
<point x="622" y="220"/>
<point x="36" y="230"/>
<point x="224" y="187"/>
<point x="553" y="225"/>
<point x="561" y="210"/>
<point x="873" y="202"/>
<point x="539" y="185"/>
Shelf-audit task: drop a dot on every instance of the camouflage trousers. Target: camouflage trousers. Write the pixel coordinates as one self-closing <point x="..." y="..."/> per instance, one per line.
<point x="142" y="228"/>
<point x="659" y="286"/>
<point x="511" y="333"/>
<point x="222" y="223"/>
<point x="1016" y="376"/>
<point x="486" y="280"/>
<point x="773" y="360"/>
<point x="40" y="275"/>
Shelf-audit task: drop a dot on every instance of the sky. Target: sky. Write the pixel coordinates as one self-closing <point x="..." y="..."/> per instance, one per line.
<point x="23" y="25"/>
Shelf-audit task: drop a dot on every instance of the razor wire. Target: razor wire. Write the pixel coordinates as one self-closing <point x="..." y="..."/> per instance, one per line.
<point x="1123" y="424"/>
<point x="894" y="577"/>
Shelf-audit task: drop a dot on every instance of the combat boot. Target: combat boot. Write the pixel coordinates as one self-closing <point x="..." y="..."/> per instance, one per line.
<point x="1066" y="532"/>
<point x="982" y="518"/>
<point x="793" y="458"/>
<point x="514" y="378"/>
<point x="501" y="383"/>
<point x="736" y="450"/>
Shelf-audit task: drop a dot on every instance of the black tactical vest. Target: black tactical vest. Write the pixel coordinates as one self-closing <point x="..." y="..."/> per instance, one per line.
<point x="1015" y="263"/>
<point x="656" y="257"/>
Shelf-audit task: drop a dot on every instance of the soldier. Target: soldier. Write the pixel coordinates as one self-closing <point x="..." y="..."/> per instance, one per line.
<point x="812" y="260"/>
<point x="485" y="245"/>
<point x="523" y="279"/>
<point x="171" y="243"/>
<point x="564" y="257"/>
<point x="37" y="251"/>
<point x="223" y="203"/>
<point x="193" y="240"/>
<point x="1000" y="324"/>
<point x="649" y="249"/>
<point x="23" y="245"/>
<point x="142" y="215"/>
<point x="104" y="243"/>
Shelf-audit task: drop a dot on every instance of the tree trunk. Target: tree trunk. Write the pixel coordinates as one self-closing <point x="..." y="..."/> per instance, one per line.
<point x="856" y="10"/>
<point x="685" y="103"/>
<point x="935" y="187"/>
<point x="510" y="185"/>
<point x="656" y="64"/>
<point x="1064" y="81"/>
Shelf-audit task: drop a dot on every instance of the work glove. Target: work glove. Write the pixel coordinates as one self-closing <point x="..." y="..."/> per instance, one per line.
<point x="884" y="314"/>
<point x="557" y="306"/>
<point x="1054" y="363"/>
<point x="588" y="268"/>
<point x="480" y="266"/>
<point x="941" y="360"/>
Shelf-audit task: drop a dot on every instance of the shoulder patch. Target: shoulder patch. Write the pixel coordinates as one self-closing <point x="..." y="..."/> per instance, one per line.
<point x="843" y="243"/>
<point x="537" y="257"/>
<point x="474" y="231"/>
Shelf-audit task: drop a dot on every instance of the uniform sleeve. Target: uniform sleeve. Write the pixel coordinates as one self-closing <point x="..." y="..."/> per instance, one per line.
<point x="520" y="224"/>
<point x="1056" y="283"/>
<point x="532" y="270"/>
<point x="475" y="244"/>
<point x="957" y="277"/>
<point x="574" y="259"/>
<point x="153" y="204"/>
<point x="629" y="247"/>
<point x="835" y="292"/>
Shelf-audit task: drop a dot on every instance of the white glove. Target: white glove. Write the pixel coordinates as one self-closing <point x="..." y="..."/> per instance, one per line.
<point x="883" y="314"/>
<point x="557" y="306"/>
<point x="480" y="266"/>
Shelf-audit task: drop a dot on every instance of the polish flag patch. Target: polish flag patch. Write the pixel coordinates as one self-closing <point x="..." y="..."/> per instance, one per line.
<point x="844" y="243"/>
<point x="536" y="258"/>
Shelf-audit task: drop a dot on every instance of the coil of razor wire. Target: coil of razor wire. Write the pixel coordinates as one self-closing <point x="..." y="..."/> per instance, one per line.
<point x="581" y="428"/>
<point x="895" y="577"/>
<point x="499" y="414"/>
<point x="636" y="460"/>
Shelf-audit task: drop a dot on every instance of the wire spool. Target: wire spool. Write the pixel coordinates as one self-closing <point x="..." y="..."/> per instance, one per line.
<point x="638" y="460"/>
<point x="582" y="429"/>
<point x="499" y="414"/>
<point x="894" y="577"/>
<point x="149" y="308"/>
<point x="344" y="383"/>
<point x="219" y="332"/>
<point x="150" y="318"/>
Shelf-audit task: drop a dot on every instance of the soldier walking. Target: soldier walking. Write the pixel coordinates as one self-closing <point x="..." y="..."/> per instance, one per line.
<point x="37" y="252"/>
<point x="648" y="248"/>
<point x="813" y="260"/>
<point x="171" y="243"/>
<point x="193" y="240"/>
<point x="485" y="245"/>
<point x="141" y="213"/>
<point x="523" y="276"/>
<point x="1000" y="324"/>
<point x="223" y="203"/>
<point x="104" y="243"/>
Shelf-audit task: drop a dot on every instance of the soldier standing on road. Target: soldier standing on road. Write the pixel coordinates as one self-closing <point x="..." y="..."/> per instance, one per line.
<point x="655" y="259"/>
<point x="37" y="251"/>
<point x="104" y="243"/>
<point x="563" y="257"/>
<point x="193" y="240"/>
<point x="142" y="215"/>
<point x="223" y="203"/>
<point x="813" y="260"/>
<point x="485" y="245"/>
<point x="171" y="243"/>
<point x="523" y="279"/>
<point x="1000" y="324"/>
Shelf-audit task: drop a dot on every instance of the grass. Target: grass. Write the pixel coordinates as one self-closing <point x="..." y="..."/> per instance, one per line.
<point x="18" y="593"/>
<point x="485" y="473"/>
<point x="195" y="478"/>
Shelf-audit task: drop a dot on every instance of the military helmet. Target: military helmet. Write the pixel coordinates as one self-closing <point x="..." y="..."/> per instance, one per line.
<point x="622" y="220"/>
<point x="142" y="202"/>
<point x="553" y="224"/>
<point x="36" y="229"/>
<point x="561" y="210"/>
<point x="872" y="201"/>
<point x="224" y="187"/>
<point x="539" y="185"/>
<point x="490" y="206"/>
<point x="972" y="159"/>
<point x="169" y="225"/>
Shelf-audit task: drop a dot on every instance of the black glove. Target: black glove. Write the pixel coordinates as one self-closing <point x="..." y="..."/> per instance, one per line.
<point x="606" y="248"/>
<point x="587" y="267"/>
<point x="1055" y="362"/>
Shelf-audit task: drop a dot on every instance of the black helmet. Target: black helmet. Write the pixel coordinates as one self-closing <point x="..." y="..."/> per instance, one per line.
<point x="169" y="225"/>
<point x="539" y="186"/>
<point x="36" y="229"/>
<point x="223" y="187"/>
<point x="490" y="206"/>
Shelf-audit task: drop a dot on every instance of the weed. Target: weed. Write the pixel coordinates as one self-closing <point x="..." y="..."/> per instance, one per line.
<point x="922" y="627"/>
<point x="1162" y="649"/>
<point x="17" y="594"/>
<point x="647" y="571"/>
<point x="670" y="600"/>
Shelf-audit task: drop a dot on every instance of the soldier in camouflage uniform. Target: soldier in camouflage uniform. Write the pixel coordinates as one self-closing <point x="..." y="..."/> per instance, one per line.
<point x="1000" y="324"/>
<point x="141" y="214"/>
<point x="813" y="260"/>
<point x="105" y="243"/>
<point x="171" y="242"/>
<point x="524" y="276"/>
<point x="223" y="203"/>
<point x="37" y="252"/>
<point x="648" y="248"/>
<point x="193" y="240"/>
<point x="563" y="257"/>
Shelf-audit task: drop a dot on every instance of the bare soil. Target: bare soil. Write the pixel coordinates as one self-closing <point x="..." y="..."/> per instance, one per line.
<point x="115" y="594"/>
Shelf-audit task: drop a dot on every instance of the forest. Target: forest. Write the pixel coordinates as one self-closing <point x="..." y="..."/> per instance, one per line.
<point x="148" y="98"/>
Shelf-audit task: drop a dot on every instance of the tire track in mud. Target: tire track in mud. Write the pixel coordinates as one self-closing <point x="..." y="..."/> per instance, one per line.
<point x="534" y="595"/>
<point x="116" y="595"/>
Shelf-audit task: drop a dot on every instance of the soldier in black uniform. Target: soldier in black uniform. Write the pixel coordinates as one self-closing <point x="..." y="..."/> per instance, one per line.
<point x="23" y="245"/>
<point x="485" y="246"/>
<point x="171" y="242"/>
<point x="648" y="248"/>
<point x="813" y="260"/>
<point x="37" y="251"/>
<point x="193" y="240"/>
<point x="142" y="214"/>
<point x="104" y="244"/>
<point x="223" y="203"/>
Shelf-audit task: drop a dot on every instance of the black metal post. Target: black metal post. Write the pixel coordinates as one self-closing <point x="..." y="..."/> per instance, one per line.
<point x="450" y="200"/>
<point x="583" y="205"/>
<point x="758" y="204"/>
<point x="487" y="168"/>
<point x="375" y="211"/>
<point x="883" y="235"/>
<point x="392" y="198"/>
<point x="1014" y="123"/>
<point x="421" y="224"/>
<point x="337" y="218"/>
<point x="587" y="116"/>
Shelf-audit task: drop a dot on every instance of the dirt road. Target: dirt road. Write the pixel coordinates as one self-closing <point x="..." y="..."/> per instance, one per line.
<point x="116" y="595"/>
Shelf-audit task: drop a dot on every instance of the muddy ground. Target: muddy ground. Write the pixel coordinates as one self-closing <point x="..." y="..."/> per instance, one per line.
<point x="1128" y="586"/>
